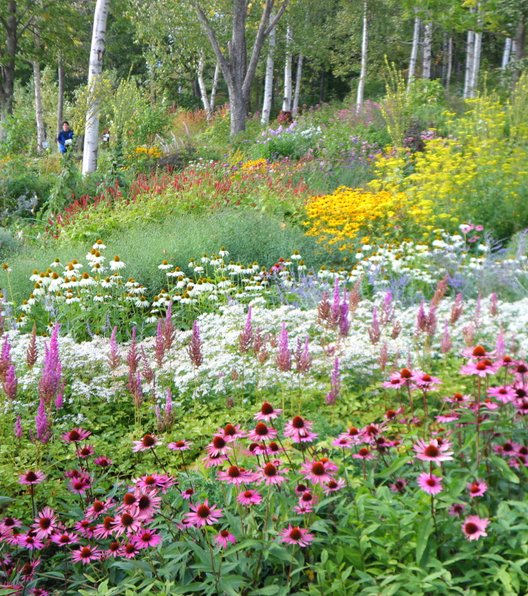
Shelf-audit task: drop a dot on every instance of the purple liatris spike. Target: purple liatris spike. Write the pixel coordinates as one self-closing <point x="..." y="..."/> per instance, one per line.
<point x="384" y="356"/>
<point x="344" y="323"/>
<point x="42" y="425"/>
<point x="113" y="357"/>
<point x="245" y="339"/>
<point x="195" y="347"/>
<point x="284" y="354"/>
<point x="335" y="384"/>
<point x="51" y="377"/>
<point x="430" y="321"/>
<point x="19" y="432"/>
<point x="10" y="383"/>
<point x="446" y="344"/>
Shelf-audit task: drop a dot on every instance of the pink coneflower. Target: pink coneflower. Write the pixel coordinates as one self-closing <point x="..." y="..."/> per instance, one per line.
<point x="158" y="481"/>
<point x="76" y="435"/>
<point x="214" y="460"/>
<point x="147" y="442"/>
<point x="267" y="412"/>
<point x="31" y="478"/>
<point x="147" y="503"/>
<point x="106" y="528"/>
<point x="318" y="472"/>
<point x="457" y="509"/>
<point x="403" y="378"/>
<point x="39" y="592"/>
<point x="434" y="450"/>
<point x="126" y="522"/>
<point x="231" y="432"/>
<point x="474" y="527"/>
<point x="399" y="485"/>
<point x="333" y="486"/>
<point x="504" y="394"/>
<point x="8" y="523"/>
<point x="303" y="508"/>
<point x="430" y="483"/>
<point x="129" y="550"/>
<point x="249" y="497"/>
<point x="270" y="474"/>
<point x="272" y="448"/>
<point x="45" y="523"/>
<point x="64" y="538"/>
<point x="103" y="461"/>
<point x="114" y="550"/>
<point x="299" y="430"/>
<point x="458" y="399"/>
<point x="218" y="446"/>
<point x="85" y="451"/>
<point x="477" y="488"/>
<point x="426" y="382"/>
<point x="364" y="453"/>
<point x="224" y="537"/>
<point x="98" y="508"/>
<point x="482" y="368"/>
<point x="343" y="441"/>
<point x="80" y="484"/>
<point x="296" y="535"/>
<point x="187" y="494"/>
<point x="235" y="475"/>
<point x="203" y="514"/>
<point x="146" y="539"/>
<point x="446" y="418"/>
<point x="307" y="498"/>
<point x="262" y="432"/>
<point x="84" y="528"/>
<point x="182" y="445"/>
<point x="477" y="352"/>
<point x="29" y="541"/>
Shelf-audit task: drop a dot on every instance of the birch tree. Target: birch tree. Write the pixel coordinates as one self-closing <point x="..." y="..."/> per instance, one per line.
<point x="427" y="50"/>
<point x="414" y="51"/>
<point x="298" y="79"/>
<point x="238" y="70"/>
<point x="287" y="98"/>
<point x="364" y="52"/>
<point x="91" y="130"/>
<point x="208" y="101"/>
<point x="268" y="78"/>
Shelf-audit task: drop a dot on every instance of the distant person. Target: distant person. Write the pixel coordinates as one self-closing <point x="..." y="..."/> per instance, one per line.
<point x="65" y="137"/>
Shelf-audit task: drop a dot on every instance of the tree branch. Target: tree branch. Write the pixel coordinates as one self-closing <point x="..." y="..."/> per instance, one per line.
<point x="277" y="18"/>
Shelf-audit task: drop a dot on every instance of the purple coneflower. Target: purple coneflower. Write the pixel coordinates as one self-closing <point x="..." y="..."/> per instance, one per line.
<point x="299" y="430"/>
<point x="434" y="450"/>
<point x="430" y="483"/>
<point x="147" y="442"/>
<point x="474" y="527"/>
<point x="203" y="514"/>
<point x="31" y="478"/>
<point x="249" y="497"/>
<point x="267" y="412"/>
<point x="477" y="488"/>
<point x="296" y="535"/>
<point x="224" y="538"/>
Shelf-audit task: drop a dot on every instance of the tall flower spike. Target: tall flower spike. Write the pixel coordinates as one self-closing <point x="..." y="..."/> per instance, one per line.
<point x="344" y="323"/>
<point x="283" y="354"/>
<point x="303" y="359"/>
<point x="32" y="351"/>
<point x="19" y="432"/>
<point x="133" y="356"/>
<point x="387" y="309"/>
<point x="324" y="309"/>
<point x="5" y="358"/>
<point x="336" y="303"/>
<point x="374" y="330"/>
<point x="11" y="383"/>
<point x="500" y="346"/>
<point x="51" y="377"/>
<point x="159" y="348"/>
<point x="245" y="339"/>
<point x="195" y="347"/>
<point x="446" y="344"/>
<point x="457" y="309"/>
<point x="335" y="384"/>
<point x="168" y="328"/>
<point x="113" y="358"/>
<point x="494" y="305"/>
<point x="42" y="424"/>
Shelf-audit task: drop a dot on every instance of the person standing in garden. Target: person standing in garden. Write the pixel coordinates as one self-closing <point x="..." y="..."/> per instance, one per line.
<point x="65" y="137"/>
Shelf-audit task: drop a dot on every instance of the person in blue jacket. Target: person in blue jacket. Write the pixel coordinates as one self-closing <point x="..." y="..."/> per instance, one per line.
<point x="65" y="137"/>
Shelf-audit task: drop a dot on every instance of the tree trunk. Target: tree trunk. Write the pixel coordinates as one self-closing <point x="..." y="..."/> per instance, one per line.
<point x="449" y="70"/>
<point x="298" y="79"/>
<point x="60" y="93"/>
<point x="364" y="51"/>
<point x="414" y="52"/>
<point x="470" y="58"/>
<point x="287" y="100"/>
<point x="7" y="68"/>
<point x="201" y="84"/>
<point x="91" y="131"/>
<point x="476" y="65"/>
<point x="212" y="99"/>
<point x="506" y="53"/>
<point x="268" y="80"/>
<point x="238" y="108"/>
<point x="39" y="110"/>
<point x="427" y="50"/>
<point x="520" y="41"/>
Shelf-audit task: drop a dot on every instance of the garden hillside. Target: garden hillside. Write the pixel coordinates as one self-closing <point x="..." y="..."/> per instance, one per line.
<point x="263" y="298"/>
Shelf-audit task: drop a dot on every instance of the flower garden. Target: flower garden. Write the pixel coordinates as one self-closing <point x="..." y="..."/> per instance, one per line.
<point x="344" y="412"/>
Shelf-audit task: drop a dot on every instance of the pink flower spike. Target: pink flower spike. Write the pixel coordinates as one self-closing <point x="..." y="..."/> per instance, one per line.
<point x="477" y="488"/>
<point x="430" y="483"/>
<point x="147" y="442"/>
<point x="474" y="527"/>
<point x="223" y="538"/>
<point x="296" y="536"/>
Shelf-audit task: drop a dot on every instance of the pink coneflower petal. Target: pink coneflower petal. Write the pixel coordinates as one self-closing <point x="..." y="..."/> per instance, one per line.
<point x="231" y="432"/>
<point x="187" y="493"/>
<point x="64" y="538"/>
<point x="236" y="475"/>
<point x="333" y="485"/>
<point x="146" y="539"/>
<point x="129" y="550"/>
<point x="103" y="461"/>
<point x="505" y="394"/>
<point x="147" y="442"/>
<point x="45" y="523"/>
<point x="399" y="485"/>
<point x="297" y="536"/>
<point x="218" y="446"/>
<point x="318" y="472"/>
<point x="181" y="445"/>
<point x="482" y="368"/>
<point x="457" y="509"/>
<point x="85" y="555"/>
<point x="203" y="514"/>
<point x="76" y="435"/>
<point x="430" y="483"/>
<point x="434" y="450"/>
<point x="31" y="478"/>
<point x="474" y="527"/>
<point x="224" y="538"/>
<point x="126" y="523"/>
<point x="364" y="453"/>
<point x="29" y="541"/>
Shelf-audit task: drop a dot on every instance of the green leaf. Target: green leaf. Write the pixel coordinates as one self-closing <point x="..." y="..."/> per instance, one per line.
<point x="505" y="469"/>
<point x="422" y="539"/>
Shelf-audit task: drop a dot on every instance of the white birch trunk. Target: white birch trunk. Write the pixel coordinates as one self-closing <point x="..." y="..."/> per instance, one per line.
<point x="39" y="110"/>
<point x="212" y="99"/>
<point x="506" y="53"/>
<point x="201" y="84"/>
<point x="449" y="62"/>
<point x="364" y="52"/>
<point x="414" y="52"/>
<point x="268" y="80"/>
<point x="91" y="130"/>
<point x="475" y="70"/>
<point x="298" y="79"/>
<point x="287" y="101"/>
<point x="427" y="50"/>
<point x="470" y="53"/>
